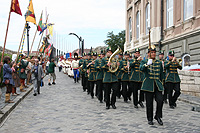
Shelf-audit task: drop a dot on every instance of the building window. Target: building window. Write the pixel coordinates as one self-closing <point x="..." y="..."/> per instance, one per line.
<point x="147" y="18"/>
<point x="188" y="9"/>
<point x="169" y="13"/>
<point x="130" y="29"/>
<point x="137" y="25"/>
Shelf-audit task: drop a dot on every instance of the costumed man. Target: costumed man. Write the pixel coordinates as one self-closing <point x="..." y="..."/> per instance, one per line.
<point x="22" y="74"/>
<point x="99" y="76"/>
<point x="110" y="80"/>
<point x="92" y="74"/>
<point x="82" y="73"/>
<point x="152" y="85"/>
<point x="37" y="76"/>
<point x="119" y="76"/>
<point x="85" y="69"/>
<point x="172" y="79"/>
<point x="75" y="67"/>
<point x="136" y="78"/>
<point x="124" y="67"/>
<point x="161" y="58"/>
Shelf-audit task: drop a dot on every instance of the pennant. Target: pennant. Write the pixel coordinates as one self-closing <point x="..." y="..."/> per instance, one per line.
<point x="15" y="7"/>
<point x="30" y="15"/>
<point x="50" y="28"/>
<point x="40" y="24"/>
<point x="44" y="27"/>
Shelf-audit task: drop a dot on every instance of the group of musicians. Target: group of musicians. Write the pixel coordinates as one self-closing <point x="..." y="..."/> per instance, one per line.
<point x="152" y="78"/>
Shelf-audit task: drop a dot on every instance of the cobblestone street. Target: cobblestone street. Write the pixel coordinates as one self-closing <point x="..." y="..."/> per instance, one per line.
<point x="64" y="107"/>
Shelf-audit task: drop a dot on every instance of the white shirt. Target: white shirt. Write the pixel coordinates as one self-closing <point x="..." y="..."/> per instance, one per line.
<point x="75" y="64"/>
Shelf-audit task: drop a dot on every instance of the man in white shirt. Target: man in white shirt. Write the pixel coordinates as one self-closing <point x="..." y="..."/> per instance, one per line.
<point x="75" y="66"/>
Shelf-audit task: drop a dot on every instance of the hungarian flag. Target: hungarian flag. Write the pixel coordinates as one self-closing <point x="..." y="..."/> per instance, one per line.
<point x="15" y="7"/>
<point x="30" y="15"/>
<point x="40" y="24"/>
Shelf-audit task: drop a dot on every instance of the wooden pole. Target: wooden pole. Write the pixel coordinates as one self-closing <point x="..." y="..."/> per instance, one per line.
<point x="20" y="43"/>
<point x="35" y="35"/>
<point x="41" y="37"/>
<point x="6" y="37"/>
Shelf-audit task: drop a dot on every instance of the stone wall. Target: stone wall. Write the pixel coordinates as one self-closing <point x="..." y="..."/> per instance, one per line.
<point x="190" y="82"/>
<point x="7" y="51"/>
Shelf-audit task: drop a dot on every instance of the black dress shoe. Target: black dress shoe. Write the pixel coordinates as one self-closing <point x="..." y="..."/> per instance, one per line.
<point x="126" y="101"/>
<point x="38" y="92"/>
<point x="113" y="106"/>
<point x="107" y="107"/>
<point x="172" y="107"/>
<point x="34" y="94"/>
<point x="135" y="106"/>
<point x="49" y="83"/>
<point x="53" y="83"/>
<point x="175" y="105"/>
<point x="101" y="101"/>
<point x="92" y="97"/>
<point x="141" y="104"/>
<point x="129" y="98"/>
<point x="150" y="122"/>
<point x="159" y="120"/>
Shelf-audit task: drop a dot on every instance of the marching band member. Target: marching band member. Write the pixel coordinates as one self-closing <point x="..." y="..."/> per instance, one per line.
<point x="172" y="79"/>
<point x="92" y="73"/>
<point x="75" y="67"/>
<point x="109" y="80"/>
<point x="99" y="76"/>
<point x="152" y="85"/>
<point x="124" y="67"/>
<point x="82" y="73"/>
<point x="136" y="78"/>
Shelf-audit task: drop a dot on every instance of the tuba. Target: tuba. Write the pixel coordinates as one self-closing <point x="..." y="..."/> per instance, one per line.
<point x="114" y="67"/>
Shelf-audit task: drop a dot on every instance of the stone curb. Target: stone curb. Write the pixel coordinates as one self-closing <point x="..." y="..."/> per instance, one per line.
<point x="189" y="101"/>
<point x="10" y="107"/>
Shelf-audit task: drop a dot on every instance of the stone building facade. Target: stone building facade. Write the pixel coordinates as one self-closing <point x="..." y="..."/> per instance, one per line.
<point x="175" y="25"/>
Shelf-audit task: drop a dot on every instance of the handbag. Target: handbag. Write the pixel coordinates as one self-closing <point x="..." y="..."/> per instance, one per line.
<point x="22" y="70"/>
<point x="7" y="81"/>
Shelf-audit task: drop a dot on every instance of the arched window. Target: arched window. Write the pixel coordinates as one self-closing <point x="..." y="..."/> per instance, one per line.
<point x="188" y="9"/>
<point x="130" y="29"/>
<point x="147" y="18"/>
<point x="169" y="13"/>
<point x="138" y="25"/>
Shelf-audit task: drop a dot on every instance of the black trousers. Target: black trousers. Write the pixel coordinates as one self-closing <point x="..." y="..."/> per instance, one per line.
<point x="100" y="90"/>
<point x="136" y="86"/>
<point x="87" y="86"/>
<point x="108" y="87"/>
<point x="149" y="103"/>
<point x="174" y="92"/>
<point x="91" y="87"/>
<point x="125" y="92"/>
<point x="96" y="91"/>
<point x="119" y="91"/>
<point x="165" y="92"/>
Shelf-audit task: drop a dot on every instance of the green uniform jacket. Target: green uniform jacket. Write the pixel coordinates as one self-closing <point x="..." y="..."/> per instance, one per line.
<point x="153" y="73"/>
<point x="81" y="63"/>
<point x="164" y="71"/>
<point x="119" y="72"/>
<point x="85" y="63"/>
<point x="125" y="75"/>
<point x="97" y="66"/>
<point x="92" y="71"/>
<point x="51" y="68"/>
<point x="171" y="71"/>
<point x="23" y="65"/>
<point x="135" y="74"/>
<point x="108" y="77"/>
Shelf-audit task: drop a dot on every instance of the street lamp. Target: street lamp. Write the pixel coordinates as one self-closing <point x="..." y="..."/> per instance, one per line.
<point x="80" y="40"/>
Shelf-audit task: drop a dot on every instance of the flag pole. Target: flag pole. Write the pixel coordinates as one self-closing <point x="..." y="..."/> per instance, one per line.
<point x="41" y="37"/>
<point x="20" y="42"/>
<point x="35" y="35"/>
<point x="6" y="35"/>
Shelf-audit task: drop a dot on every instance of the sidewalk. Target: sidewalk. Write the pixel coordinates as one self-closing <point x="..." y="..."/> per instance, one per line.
<point x="190" y="99"/>
<point x="8" y="108"/>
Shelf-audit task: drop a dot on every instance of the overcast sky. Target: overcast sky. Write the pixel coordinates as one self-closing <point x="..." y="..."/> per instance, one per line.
<point x="90" y="19"/>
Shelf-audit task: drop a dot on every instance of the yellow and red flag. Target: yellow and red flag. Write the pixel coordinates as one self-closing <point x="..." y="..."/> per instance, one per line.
<point x="30" y="16"/>
<point x="15" y="7"/>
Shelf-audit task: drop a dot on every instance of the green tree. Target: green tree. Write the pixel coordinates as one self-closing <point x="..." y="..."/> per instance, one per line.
<point x="114" y="41"/>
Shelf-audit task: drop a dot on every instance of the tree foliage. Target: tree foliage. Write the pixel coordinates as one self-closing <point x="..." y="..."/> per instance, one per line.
<point x="114" y="41"/>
